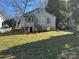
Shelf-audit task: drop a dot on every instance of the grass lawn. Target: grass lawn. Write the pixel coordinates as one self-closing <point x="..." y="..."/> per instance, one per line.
<point x="45" y="45"/>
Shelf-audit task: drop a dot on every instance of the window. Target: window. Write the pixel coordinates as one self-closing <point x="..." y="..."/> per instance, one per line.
<point x="26" y="19"/>
<point x="38" y="11"/>
<point x="29" y="19"/>
<point x="32" y="19"/>
<point x="48" y="20"/>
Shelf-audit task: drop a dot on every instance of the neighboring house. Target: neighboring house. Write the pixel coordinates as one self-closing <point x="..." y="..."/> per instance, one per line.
<point x="71" y="23"/>
<point x="76" y="18"/>
<point x="37" y="20"/>
<point x="1" y="20"/>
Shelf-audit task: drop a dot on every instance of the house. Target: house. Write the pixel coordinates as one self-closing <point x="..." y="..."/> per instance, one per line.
<point x="1" y="20"/>
<point x="37" y="20"/>
<point x="76" y="17"/>
<point x="71" y="24"/>
<point x="74" y="21"/>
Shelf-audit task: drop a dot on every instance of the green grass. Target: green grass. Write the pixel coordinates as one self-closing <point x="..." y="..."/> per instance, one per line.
<point x="47" y="45"/>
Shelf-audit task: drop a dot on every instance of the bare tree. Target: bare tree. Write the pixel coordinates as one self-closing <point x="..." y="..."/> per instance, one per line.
<point x="4" y="14"/>
<point x="20" y="6"/>
<point x="3" y="10"/>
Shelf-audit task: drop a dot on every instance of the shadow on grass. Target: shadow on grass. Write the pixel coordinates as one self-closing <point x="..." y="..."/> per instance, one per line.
<point x="45" y="49"/>
<point x="17" y="32"/>
<point x="13" y="32"/>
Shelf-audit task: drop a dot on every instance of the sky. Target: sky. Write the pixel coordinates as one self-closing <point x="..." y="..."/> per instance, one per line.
<point x="6" y="6"/>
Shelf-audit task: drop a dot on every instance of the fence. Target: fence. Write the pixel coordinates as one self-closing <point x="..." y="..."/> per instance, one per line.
<point x="5" y="30"/>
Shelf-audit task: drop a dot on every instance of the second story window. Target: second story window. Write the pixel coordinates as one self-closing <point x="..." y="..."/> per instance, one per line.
<point x="29" y="19"/>
<point x="32" y="19"/>
<point x="48" y="20"/>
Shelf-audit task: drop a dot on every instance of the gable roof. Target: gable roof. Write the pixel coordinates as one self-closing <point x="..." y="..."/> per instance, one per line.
<point x="37" y="9"/>
<point x="1" y="16"/>
<point x="31" y="11"/>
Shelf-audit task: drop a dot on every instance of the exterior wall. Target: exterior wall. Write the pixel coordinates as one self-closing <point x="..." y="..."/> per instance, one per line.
<point x="1" y="20"/>
<point x="52" y="23"/>
<point x="42" y="17"/>
<point x="27" y="24"/>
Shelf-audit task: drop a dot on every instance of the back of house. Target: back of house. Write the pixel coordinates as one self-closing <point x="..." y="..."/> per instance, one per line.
<point x="37" y="20"/>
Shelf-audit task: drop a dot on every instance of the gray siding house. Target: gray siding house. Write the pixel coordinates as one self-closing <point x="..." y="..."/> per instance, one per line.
<point x="37" y="20"/>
